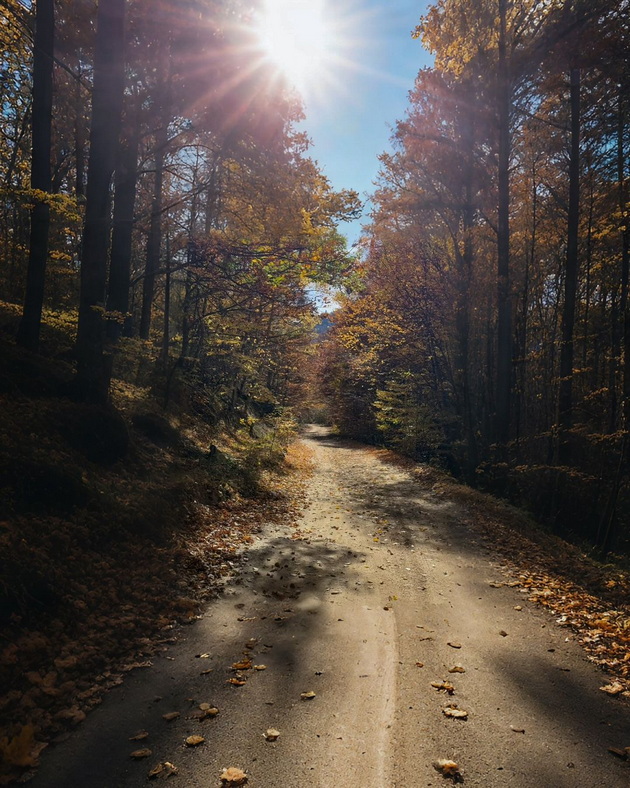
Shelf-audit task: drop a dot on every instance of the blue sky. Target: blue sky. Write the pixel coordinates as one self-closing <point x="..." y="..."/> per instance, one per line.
<point x="350" y="118"/>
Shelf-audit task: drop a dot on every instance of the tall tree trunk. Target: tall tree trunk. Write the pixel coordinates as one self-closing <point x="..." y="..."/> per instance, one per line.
<point x="166" y="333"/>
<point x="122" y="233"/>
<point x="504" y="309"/>
<point x="93" y="369"/>
<point x="625" y="265"/>
<point x="565" y="393"/>
<point x="154" y="241"/>
<point x="41" y="124"/>
<point x="79" y="135"/>
<point x="464" y="259"/>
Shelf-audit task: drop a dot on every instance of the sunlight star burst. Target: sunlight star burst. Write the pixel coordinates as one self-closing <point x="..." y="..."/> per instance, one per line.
<point x="300" y="39"/>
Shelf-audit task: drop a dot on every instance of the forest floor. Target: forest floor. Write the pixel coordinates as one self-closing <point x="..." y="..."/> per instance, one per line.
<point x="405" y="632"/>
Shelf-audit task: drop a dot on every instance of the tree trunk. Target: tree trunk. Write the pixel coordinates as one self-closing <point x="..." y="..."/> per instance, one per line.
<point x="565" y="394"/>
<point x="465" y="260"/>
<point x="93" y="369"/>
<point x="41" y="124"/>
<point x="504" y="327"/>
<point x="166" y="333"/>
<point x="122" y="234"/>
<point x="625" y="267"/>
<point x="154" y="241"/>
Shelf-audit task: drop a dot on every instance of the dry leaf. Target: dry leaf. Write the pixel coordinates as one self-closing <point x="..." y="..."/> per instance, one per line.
<point x="612" y="689"/>
<point x="139" y="736"/>
<point x="133" y="665"/>
<point x="518" y="607"/>
<point x="260" y="667"/>
<point x="503" y="633"/>
<point x="446" y="767"/>
<point x="236" y="682"/>
<point x="233" y="776"/>
<point x="446" y="686"/>
<point x="194" y="741"/>
<point x="172" y="715"/>
<point x="202" y="656"/>
<point x="22" y="749"/>
<point x="453" y="711"/>
<point x="271" y="734"/>
<point x="165" y="769"/>
<point x="454" y="645"/>
<point x="308" y="695"/>
<point x="244" y="664"/>
<point x="517" y="730"/>
<point x="457" y="669"/>
<point x="419" y="664"/>
<point x="139" y="754"/>
<point x="205" y="672"/>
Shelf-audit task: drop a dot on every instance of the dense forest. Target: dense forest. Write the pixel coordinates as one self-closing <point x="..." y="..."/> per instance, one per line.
<point x="155" y="190"/>
<point x="492" y="331"/>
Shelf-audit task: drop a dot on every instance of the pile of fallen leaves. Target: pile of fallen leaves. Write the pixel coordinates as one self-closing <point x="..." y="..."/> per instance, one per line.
<point x="88" y="595"/>
<point x="591" y="598"/>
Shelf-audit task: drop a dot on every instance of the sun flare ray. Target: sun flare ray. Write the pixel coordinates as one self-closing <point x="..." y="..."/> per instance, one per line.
<point x="300" y="39"/>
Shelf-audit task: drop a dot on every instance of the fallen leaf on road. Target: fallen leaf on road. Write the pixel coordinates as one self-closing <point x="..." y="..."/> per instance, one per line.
<point x="165" y="769"/>
<point x="453" y="644"/>
<point x="612" y="689"/>
<point x="133" y="665"/>
<point x="620" y="753"/>
<point x="260" y="667"/>
<point x="172" y="715"/>
<point x="194" y="741"/>
<point x="503" y="633"/>
<point x="453" y="711"/>
<point x="244" y="664"/>
<point x="446" y="686"/>
<point x="447" y="768"/>
<point x="22" y="749"/>
<point x="205" y="672"/>
<point x="457" y="669"/>
<point x="251" y="643"/>
<point x="139" y="736"/>
<point x="202" y="656"/>
<point x="496" y="585"/>
<point x="271" y="734"/>
<point x="308" y="695"/>
<point x="236" y="682"/>
<point x="419" y="664"/>
<point x="518" y="607"/>
<point x="139" y="754"/>
<point x="517" y="730"/>
<point x="233" y="776"/>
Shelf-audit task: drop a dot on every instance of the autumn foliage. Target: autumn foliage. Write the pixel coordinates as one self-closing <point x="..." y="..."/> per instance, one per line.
<point x="464" y="304"/>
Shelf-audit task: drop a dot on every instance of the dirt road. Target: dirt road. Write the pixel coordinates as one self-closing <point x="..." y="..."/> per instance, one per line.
<point x="382" y="594"/>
